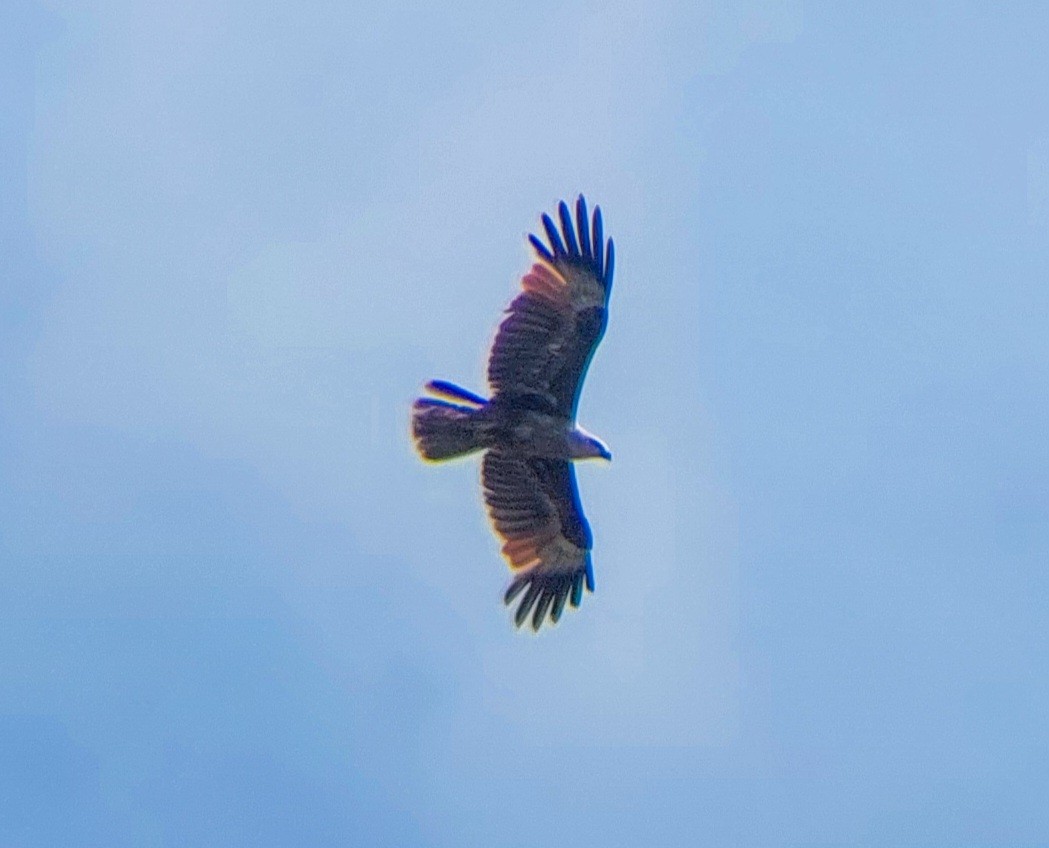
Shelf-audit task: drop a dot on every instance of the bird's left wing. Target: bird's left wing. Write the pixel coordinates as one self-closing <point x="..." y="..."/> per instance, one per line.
<point x="534" y="507"/>
<point x="545" y="343"/>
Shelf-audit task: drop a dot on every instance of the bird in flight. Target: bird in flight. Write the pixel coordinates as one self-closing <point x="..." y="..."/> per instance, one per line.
<point x="527" y="428"/>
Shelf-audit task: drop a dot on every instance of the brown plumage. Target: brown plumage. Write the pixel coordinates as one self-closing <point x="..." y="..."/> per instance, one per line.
<point x="527" y="429"/>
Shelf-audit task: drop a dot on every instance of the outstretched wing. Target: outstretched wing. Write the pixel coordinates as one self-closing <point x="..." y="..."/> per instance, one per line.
<point x="534" y="506"/>
<point x="546" y="341"/>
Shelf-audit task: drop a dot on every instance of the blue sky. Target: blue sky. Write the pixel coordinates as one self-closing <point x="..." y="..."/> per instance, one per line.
<point x="235" y="609"/>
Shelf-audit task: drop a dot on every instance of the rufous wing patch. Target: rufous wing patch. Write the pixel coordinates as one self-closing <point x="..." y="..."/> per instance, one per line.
<point x="526" y="551"/>
<point x="545" y="281"/>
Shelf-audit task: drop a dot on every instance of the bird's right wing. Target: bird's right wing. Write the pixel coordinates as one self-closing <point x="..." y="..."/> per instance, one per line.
<point x="534" y="507"/>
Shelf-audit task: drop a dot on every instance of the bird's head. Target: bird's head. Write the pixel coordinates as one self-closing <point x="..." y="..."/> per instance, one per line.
<point x="583" y="445"/>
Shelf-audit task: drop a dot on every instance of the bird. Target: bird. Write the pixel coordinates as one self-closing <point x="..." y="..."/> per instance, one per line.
<point x="527" y="428"/>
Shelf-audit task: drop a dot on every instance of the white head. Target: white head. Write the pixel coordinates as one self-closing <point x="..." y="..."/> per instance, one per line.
<point x="583" y="445"/>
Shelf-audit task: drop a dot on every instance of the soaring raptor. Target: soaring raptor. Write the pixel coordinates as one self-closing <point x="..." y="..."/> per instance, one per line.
<point x="527" y="428"/>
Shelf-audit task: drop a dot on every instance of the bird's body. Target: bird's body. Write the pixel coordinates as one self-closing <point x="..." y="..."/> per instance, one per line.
<point x="520" y="432"/>
<point x="527" y="429"/>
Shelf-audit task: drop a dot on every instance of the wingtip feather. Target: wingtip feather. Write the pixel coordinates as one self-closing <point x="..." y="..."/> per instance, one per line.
<point x="597" y="239"/>
<point x="526" y="603"/>
<point x="541" y="608"/>
<point x="540" y="248"/>
<point x="568" y="229"/>
<point x="577" y="589"/>
<point x="515" y="589"/>
<point x="582" y="220"/>
<point x="553" y="235"/>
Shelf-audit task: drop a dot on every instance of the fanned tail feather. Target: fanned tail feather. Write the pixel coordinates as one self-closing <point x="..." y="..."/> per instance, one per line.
<point x="445" y="430"/>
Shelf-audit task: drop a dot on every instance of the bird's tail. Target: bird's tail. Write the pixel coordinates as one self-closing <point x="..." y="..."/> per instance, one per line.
<point x="443" y="429"/>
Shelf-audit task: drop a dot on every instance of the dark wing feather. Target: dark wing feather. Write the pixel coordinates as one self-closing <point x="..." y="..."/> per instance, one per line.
<point x="534" y="507"/>
<point x="545" y="343"/>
